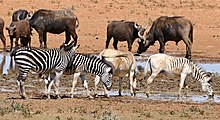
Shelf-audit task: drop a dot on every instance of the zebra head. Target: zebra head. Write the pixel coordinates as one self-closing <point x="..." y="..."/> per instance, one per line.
<point x="206" y="86"/>
<point x="107" y="78"/>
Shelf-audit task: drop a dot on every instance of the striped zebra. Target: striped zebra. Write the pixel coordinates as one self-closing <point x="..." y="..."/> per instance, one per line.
<point x="180" y="66"/>
<point x="42" y="61"/>
<point x="82" y="64"/>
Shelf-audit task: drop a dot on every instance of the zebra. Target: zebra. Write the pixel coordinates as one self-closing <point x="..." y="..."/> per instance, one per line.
<point x="180" y="66"/>
<point x="124" y="66"/>
<point x="82" y="64"/>
<point x="42" y="61"/>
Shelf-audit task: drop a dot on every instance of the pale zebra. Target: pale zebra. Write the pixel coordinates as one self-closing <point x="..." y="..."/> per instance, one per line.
<point x="82" y="64"/>
<point x="175" y="65"/>
<point x="42" y="61"/>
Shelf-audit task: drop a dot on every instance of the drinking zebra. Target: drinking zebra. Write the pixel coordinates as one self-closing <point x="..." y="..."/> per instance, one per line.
<point x="174" y="65"/>
<point x="82" y="64"/>
<point x="42" y="61"/>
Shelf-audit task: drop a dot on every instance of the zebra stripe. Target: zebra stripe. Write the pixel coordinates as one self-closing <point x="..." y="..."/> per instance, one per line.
<point x="88" y="63"/>
<point x="42" y="61"/>
<point x="181" y="66"/>
<point x="176" y="63"/>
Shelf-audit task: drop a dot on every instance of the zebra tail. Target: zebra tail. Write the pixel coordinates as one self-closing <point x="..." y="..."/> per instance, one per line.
<point x="146" y="67"/>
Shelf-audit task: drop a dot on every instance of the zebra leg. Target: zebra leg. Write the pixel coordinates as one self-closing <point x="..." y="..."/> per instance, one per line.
<point x="74" y="82"/>
<point x="120" y="85"/>
<point x="97" y="79"/>
<point x="106" y="92"/>
<point x="133" y="83"/>
<point x="182" y="79"/>
<point x="20" y="81"/>
<point x="49" y="85"/>
<point x="85" y="84"/>
<point x="149" y="81"/>
<point x="57" y="82"/>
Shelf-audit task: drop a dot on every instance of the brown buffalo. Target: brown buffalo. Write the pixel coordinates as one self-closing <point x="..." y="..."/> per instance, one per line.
<point x="2" y="37"/>
<point x="122" y="31"/>
<point x="54" y="22"/>
<point x="19" y="29"/>
<point x="165" y="29"/>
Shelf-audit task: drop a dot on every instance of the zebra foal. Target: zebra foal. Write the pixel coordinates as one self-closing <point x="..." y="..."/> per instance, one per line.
<point x="42" y="61"/>
<point x="94" y="65"/>
<point x="180" y="66"/>
<point x="82" y="64"/>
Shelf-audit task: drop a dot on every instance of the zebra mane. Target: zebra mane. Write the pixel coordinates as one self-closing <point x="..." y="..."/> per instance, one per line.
<point x="198" y="72"/>
<point x="18" y="49"/>
<point x="108" y="63"/>
<point x="102" y="59"/>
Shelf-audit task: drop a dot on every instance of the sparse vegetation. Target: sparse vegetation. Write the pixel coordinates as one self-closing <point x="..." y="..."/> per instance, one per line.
<point x="14" y="107"/>
<point x="108" y="115"/>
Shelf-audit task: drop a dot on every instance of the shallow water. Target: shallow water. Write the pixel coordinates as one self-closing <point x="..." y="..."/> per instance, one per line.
<point x="170" y="97"/>
<point x="6" y="64"/>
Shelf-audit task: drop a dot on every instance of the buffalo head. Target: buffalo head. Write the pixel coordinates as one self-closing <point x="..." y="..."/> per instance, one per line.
<point x="144" y="41"/>
<point x="11" y="30"/>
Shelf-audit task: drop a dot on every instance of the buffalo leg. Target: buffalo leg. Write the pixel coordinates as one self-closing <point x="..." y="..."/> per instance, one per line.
<point x="43" y="38"/>
<point x="188" y="47"/>
<point x="11" y="40"/>
<point x="74" y="36"/>
<point x="67" y="34"/>
<point x="115" y="43"/>
<point x="162" y="44"/>
<point x="29" y="41"/>
<point x="16" y="42"/>
<point x="129" y="45"/>
<point x="107" y="41"/>
<point x="2" y="37"/>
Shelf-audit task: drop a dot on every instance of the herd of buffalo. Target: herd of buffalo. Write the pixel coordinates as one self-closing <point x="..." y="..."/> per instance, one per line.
<point x="163" y="29"/>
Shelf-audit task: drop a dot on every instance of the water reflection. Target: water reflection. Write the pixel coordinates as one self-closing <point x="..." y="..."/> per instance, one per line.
<point x="6" y="63"/>
<point x="171" y="97"/>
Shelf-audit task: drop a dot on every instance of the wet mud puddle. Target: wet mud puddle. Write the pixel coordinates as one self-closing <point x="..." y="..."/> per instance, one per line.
<point x="6" y="64"/>
<point x="171" y="97"/>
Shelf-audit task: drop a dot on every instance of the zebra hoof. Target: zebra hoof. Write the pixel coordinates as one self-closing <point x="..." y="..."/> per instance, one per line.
<point x="107" y="96"/>
<point x="72" y="96"/>
<point x="90" y="97"/>
<point x="96" y="96"/>
<point x="210" y="96"/>
<point x="133" y="94"/>
<point x="24" y="97"/>
<point x="58" y="97"/>
<point x="148" y="95"/>
<point x="48" y="96"/>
